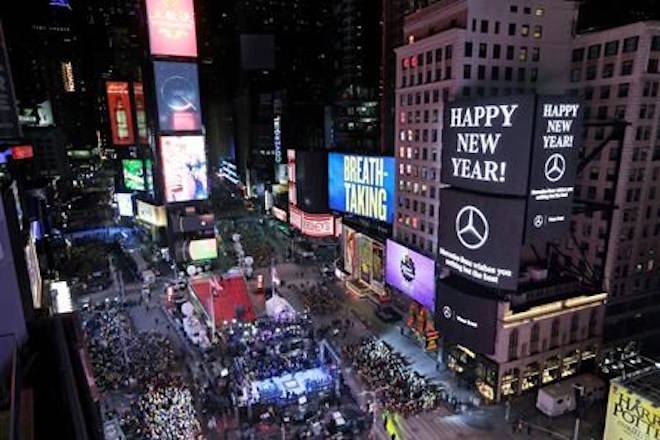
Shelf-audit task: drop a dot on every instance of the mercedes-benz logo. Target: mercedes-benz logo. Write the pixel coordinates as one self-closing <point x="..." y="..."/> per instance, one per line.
<point x="538" y="221"/>
<point x="555" y="167"/>
<point x="446" y="312"/>
<point x="471" y="227"/>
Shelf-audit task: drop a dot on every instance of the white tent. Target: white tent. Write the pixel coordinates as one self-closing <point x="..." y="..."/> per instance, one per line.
<point x="279" y="308"/>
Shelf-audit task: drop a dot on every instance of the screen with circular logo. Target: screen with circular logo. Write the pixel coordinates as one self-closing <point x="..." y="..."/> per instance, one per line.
<point x="177" y="88"/>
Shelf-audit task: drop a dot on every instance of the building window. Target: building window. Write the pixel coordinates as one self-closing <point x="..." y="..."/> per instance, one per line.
<point x="509" y="52"/>
<point x="447" y="72"/>
<point x="522" y="55"/>
<point x="527" y="10"/>
<point x="508" y="74"/>
<point x="420" y="59"/>
<point x="593" y="52"/>
<point x="448" y="51"/>
<point x="524" y="30"/>
<point x="429" y="57"/>
<point x="652" y="66"/>
<point x="513" y="8"/>
<point x="593" y="322"/>
<point x="575" y="324"/>
<point x="468" y="49"/>
<point x="575" y="75"/>
<point x="611" y="48"/>
<point x="534" y="74"/>
<point x="534" y="339"/>
<point x="630" y="44"/>
<point x="481" y="72"/>
<point x="438" y="55"/>
<point x="604" y="92"/>
<point x="626" y="67"/>
<point x="521" y="74"/>
<point x="536" y="54"/>
<point x="513" y="344"/>
<point x="578" y="55"/>
<point x="467" y="70"/>
<point x="497" y="27"/>
<point x="495" y="73"/>
<point x="538" y="31"/>
<point x="623" y="90"/>
<point x="608" y="70"/>
<point x="591" y="72"/>
<point x="482" y="50"/>
<point x="484" y="26"/>
<point x="512" y="29"/>
<point x="496" y="51"/>
<point x="466" y="91"/>
<point x="554" y="334"/>
<point x="539" y="12"/>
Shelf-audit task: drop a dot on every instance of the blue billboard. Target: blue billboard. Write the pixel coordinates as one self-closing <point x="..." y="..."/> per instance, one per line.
<point x="362" y="185"/>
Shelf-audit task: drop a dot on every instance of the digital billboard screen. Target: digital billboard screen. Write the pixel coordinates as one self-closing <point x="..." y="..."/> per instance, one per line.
<point x="410" y="272"/>
<point x="311" y="179"/>
<point x="119" y="113"/>
<point x="486" y="144"/>
<point x="350" y="236"/>
<point x="366" y="258"/>
<point x="317" y="225"/>
<point x="554" y="165"/>
<point x="466" y="319"/>
<point x="140" y="112"/>
<point x="205" y="249"/>
<point x="172" y="28"/>
<point x="9" y="126"/>
<point x="184" y="168"/>
<point x="133" y="170"/>
<point x="125" y="204"/>
<point x="177" y="96"/>
<point x="377" y="270"/>
<point x="480" y="237"/>
<point x="362" y="185"/>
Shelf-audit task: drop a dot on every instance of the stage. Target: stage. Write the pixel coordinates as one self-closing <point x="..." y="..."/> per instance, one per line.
<point x="232" y="295"/>
<point x="291" y="386"/>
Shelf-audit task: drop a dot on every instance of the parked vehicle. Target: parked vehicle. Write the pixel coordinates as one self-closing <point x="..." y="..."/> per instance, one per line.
<point x="559" y="398"/>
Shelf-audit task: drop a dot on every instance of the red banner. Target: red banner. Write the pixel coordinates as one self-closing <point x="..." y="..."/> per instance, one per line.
<point x="119" y="113"/>
<point x="172" y="27"/>
<point x="21" y="152"/>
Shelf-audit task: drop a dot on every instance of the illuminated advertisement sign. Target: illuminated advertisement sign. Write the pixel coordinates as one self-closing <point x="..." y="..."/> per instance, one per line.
<point x="184" y="168"/>
<point x="21" y="152"/>
<point x="133" y="174"/>
<point x="199" y="250"/>
<point x="125" y="204"/>
<point x="34" y="273"/>
<point x="554" y="165"/>
<point x="350" y="236"/>
<point x="140" y="112"/>
<point x="9" y="128"/>
<point x="318" y="225"/>
<point x="377" y="267"/>
<point x="150" y="175"/>
<point x="290" y="155"/>
<point x="172" y="27"/>
<point x="630" y="416"/>
<point x="277" y="138"/>
<point x="177" y="95"/>
<point x="366" y="258"/>
<point x="153" y="215"/>
<point x="39" y="115"/>
<point x="119" y="113"/>
<point x="486" y="144"/>
<point x="279" y="214"/>
<point x="410" y="272"/>
<point x="362" y="185"/>
<point x="466" y="319"/>
<point x="295" y="217"/>
<point x="480" y="237"/>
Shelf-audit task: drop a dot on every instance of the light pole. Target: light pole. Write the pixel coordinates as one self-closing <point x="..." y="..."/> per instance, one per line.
<point x="579" y="392"/>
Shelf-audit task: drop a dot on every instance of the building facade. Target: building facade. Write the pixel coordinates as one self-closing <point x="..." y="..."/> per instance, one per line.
<point x="615" y="72"/>
<point x="462" y="49"/>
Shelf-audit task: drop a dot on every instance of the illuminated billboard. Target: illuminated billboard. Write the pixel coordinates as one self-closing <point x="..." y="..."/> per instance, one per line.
<point x="172" y="28"/>
<point x="34" y="273"/>
<point x="125" y="204"/>
<point x="279" y="214"/>
<point x="140" y="112"/>
<point x="377" y="267"/>
<point x="410" y="272"/>
<point x="184" y="168"/>
<point x="150" y="175"/>
<point x="133" y="170"/>
<point x="150" y="214"/>
<point x="366" y="258"/>
<point x="362" y="185"/>
<point x="200" y="250"/>
<point x="119" y="113"/>
<point x="317" y="225"/>
<point x="630" y="416"/>
<point x="177" y="96"/>
<point x="350" y="236"/>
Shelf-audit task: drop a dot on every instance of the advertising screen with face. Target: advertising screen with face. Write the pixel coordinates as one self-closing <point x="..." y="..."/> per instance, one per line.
<point x="184" y="168"/>
<point x="362" y="185"/>
<point x="177" y="95"/>
<point x="133" y="174"/>
<point x="411" y="273"/>
<point x="119" y="113"/>
<point x="480" y="237"/>
<point x="349" y="248"/>
<point x="486" y="144"/>
<point x="172" y="28"/>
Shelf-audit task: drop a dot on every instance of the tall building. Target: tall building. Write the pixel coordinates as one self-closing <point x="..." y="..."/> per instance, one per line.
<point x="615" y="71"/>
<point x="462" y="49"/>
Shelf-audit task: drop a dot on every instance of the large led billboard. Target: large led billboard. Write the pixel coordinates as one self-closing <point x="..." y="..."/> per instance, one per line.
<point x="554" y="165"/>
<point x="133" y="170"/>
<point x="466" y="319"/>
<point x="311" y="170"/>
<point x="350" y="246"/>
<point x="486" y="144"/>
<point x="119" y="113"/>
<point x="362" y="185"/>
<point x="177" y="96"/>
<point x="184" y="168"/>
<point x="204" y="249"/>
<point x="172" y="28"/>
<point x="140" y="112"/>
<point x="410" y="272"/>
<point x="480" y="237"/>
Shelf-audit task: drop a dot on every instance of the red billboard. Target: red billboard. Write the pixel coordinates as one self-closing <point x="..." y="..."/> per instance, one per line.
<point x="140" y="112"/>
<point x="172" y="27"/>
<point x="20" y="152"/>
<point x="119" y="113"/>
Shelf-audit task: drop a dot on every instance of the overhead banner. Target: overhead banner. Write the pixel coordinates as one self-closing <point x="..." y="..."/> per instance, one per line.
<point x="362" y="185"/>
<point x="410" y="272"/>
<point x="177" y="96"/>
<point x="486" y="144"/>
<point x="119" y="113"/>
<point x="9" y="128"/>
<point x="172" y="28"/>
<point x="464" y="319"/>
<point x="554" y="164"/>
<point x="184" y="168"/>
<point x="480" y="237"/>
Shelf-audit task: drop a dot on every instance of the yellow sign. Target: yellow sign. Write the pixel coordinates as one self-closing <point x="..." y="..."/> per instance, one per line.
<point x="154" y="215"/>
<point x="630" y="416"/>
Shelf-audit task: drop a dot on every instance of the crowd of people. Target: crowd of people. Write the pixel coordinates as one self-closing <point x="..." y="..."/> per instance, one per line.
<point x="252" y="241"/>
<point x="386" y="372"/>
<point x="317" y="297"/>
